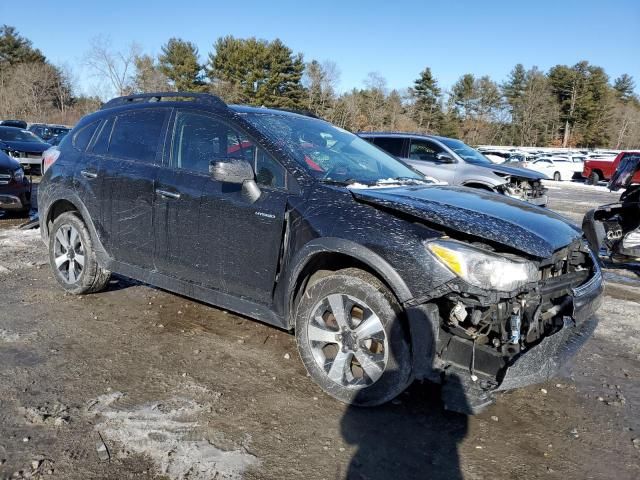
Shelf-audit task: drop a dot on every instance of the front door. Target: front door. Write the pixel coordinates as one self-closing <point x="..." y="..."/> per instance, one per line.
<point x="214" y="235"/>
<point x="423" y="156"/>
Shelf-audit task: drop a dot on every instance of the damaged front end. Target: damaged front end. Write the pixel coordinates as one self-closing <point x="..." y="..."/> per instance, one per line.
<point x="531" y="191"/>
<point x="485" y="341"/>
<point x="614" y="230"/>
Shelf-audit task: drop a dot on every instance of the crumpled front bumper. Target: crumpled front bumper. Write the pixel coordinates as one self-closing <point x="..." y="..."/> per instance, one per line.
<point x="543" y="361"/>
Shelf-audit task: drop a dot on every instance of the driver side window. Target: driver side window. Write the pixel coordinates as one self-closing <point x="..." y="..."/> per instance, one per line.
<point x="199" y="139"/>
<point x="424" y="150"/>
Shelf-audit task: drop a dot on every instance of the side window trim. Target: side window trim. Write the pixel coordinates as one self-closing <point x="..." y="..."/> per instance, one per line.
<point x="98" y="133"/>
<point x="97" y="128"/>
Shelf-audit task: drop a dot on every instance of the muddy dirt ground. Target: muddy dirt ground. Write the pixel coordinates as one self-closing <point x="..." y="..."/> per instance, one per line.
<point x="139" y="383"/>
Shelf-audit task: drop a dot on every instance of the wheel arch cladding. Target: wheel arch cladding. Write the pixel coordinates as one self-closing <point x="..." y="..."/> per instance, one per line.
<point x="71" y="203"/>
<point x="332" y="254"/>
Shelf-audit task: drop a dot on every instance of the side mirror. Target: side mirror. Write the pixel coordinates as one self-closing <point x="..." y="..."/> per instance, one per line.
<point x="444" y="157"/>
<point x="236" y="171"/>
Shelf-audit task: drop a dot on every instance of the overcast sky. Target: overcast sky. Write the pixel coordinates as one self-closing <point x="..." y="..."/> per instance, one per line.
<point x="395" y="38"/>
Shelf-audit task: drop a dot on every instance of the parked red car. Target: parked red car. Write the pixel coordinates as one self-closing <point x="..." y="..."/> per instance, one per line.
<point x="597" y="170"/>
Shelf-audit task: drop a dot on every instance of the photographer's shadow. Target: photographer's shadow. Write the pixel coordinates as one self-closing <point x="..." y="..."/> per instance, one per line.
<point x="411" y="438"/>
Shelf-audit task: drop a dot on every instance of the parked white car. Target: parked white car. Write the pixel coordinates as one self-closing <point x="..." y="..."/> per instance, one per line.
<point x="556" y="168"/>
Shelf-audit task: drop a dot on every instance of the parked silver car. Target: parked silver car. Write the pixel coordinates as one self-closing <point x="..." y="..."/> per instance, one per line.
<point x="456" y="163"/>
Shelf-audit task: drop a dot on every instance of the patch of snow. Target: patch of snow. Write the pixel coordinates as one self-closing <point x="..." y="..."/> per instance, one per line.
<point x="15" y="238"/>
<point x="9" y="337"/>
<point x="391" y="183"/>
<point x="170" y="435"/>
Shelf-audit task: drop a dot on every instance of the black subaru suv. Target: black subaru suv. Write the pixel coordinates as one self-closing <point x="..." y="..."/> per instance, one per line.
<point x="383" y="276"/>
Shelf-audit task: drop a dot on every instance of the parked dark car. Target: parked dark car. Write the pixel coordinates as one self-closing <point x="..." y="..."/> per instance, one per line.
<point x="614" y="229"/>
<point x="15" y="188"/>
<point x="13" y="123"/>
<point x="22" y="145"/>
<point x="383" y="276"/>
<point x="452" y="161"/>
<point x="55" y="140"/>
<point x="49" y="133"/>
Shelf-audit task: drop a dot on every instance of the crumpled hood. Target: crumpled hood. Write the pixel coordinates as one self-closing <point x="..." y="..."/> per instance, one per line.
<point x="26" y="146"/>
<point x="516" y="172"/>
<point x="491" y="216"/>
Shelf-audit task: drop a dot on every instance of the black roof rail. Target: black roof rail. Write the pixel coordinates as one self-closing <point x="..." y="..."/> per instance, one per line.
<point x="204" y="98"/>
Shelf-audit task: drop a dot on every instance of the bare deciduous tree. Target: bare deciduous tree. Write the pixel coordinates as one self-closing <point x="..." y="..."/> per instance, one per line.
<point x="116" y="67"/>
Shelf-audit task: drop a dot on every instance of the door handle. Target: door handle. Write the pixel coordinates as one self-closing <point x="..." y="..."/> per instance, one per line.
<point x="167" y="194"/>
<point x="88" y="174"/>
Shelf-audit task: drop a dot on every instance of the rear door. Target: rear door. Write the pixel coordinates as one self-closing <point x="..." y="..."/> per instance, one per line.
<point x="130" y="152"/>
<point x="396" y="146"/>
<point x="214" y="235"/>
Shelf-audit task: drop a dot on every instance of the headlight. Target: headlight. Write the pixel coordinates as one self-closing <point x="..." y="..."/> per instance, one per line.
<point x="632" y="239"/>
<point x="482" y="268"/>
<point x="18" y="175"/>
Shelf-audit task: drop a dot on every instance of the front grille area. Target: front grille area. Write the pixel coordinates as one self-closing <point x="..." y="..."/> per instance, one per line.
<point x="5" y="176"/>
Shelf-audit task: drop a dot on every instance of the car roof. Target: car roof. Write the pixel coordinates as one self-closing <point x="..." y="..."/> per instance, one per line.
<point x="7" y="127"/>
<point x="272" y="111"/>
<point x="403" y="135"/>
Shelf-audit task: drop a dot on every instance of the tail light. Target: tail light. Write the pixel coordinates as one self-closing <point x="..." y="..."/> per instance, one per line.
<point x="49" y="157"/>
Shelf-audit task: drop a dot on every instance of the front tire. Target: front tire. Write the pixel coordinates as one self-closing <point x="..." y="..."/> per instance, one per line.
<point x="72" y="256"/>
<point x="352" y="338"/>
<point x="594" y="178"/>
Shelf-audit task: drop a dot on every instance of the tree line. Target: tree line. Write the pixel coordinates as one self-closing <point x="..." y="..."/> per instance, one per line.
<point x="568" y="105"/>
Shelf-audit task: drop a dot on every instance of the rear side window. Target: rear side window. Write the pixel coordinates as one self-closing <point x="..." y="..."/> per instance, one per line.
<point x="83" y="137"/>
<point x="392" y="146"/>
<point x="136" y="135"/>
<point x="101" y="145"/>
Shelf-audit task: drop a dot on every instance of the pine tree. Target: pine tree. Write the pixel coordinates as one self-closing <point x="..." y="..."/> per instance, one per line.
<point x="179" y="63"/>
<point x="14" y="49"/>
<point x="624" y="87"/>
<point x="427" y="112"/>
<point x="257" y="72"/>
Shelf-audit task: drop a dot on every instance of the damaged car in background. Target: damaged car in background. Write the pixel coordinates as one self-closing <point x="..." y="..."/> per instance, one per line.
<point x="452" y="161"/>
<point x="383" y="276"/>
<point x="614" y="229"/>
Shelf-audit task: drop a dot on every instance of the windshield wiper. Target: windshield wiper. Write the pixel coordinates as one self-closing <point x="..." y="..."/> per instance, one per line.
<point x="331" y="181"/>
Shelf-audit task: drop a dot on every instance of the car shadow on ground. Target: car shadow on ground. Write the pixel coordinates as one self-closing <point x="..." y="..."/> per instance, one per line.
<point x="118" y="282"/>
<point x="410" y="438"/>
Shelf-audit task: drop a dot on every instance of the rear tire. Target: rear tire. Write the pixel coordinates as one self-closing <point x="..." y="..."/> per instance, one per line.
<point x="557" y="177"/>
<point x="594" y="178"/>
<point x="352" y="338"/>
<point x="72" y="256"/>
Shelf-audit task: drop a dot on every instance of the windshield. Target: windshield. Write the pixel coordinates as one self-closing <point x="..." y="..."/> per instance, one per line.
<point x="16" y="135"/>
<point x="467" y="153"/>
<point x="331" y="154"/>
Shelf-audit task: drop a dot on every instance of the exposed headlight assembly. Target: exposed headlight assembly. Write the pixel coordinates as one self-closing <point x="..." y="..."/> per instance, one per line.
<point x="482" y="268"/>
